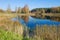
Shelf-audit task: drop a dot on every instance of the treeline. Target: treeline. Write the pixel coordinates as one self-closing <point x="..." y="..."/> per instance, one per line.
<point x="25" y="9"/>
<point x="2" y="10"/>
<point x="47" y="10"/>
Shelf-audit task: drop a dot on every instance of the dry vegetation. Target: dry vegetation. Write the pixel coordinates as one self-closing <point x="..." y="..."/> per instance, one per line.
<point x="10" y="25"/>
<point x="46" y="33"/>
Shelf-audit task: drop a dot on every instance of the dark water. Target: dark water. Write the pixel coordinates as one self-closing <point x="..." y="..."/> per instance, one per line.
<point x="32" y="22"/>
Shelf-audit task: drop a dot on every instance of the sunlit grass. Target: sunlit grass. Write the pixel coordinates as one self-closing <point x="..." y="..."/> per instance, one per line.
<point x="6" y="35"/>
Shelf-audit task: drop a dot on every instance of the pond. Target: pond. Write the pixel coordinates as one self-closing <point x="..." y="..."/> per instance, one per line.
<point x="32" y="22"/>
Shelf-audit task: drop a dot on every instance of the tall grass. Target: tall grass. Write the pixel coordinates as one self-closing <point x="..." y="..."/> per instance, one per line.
<point x="6" y="35"/>
<point x="46" y="32"/>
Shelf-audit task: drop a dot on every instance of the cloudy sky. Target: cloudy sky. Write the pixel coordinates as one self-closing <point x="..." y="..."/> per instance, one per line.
<point x="31" y="3"/>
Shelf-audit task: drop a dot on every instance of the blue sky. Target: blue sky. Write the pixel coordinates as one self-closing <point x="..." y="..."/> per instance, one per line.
<point x="31" y="3"/>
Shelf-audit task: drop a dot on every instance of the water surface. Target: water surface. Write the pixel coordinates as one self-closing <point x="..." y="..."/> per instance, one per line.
<point x="32" y="22"/>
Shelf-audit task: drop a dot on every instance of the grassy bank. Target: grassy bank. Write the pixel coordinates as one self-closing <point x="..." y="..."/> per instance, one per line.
<point x="6" y="35"/>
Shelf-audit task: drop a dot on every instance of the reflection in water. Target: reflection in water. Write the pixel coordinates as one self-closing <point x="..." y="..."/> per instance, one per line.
<point x="32" y="22"/>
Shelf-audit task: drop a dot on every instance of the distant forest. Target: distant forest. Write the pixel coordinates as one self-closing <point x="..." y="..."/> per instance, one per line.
<point x="47" y="10"/>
